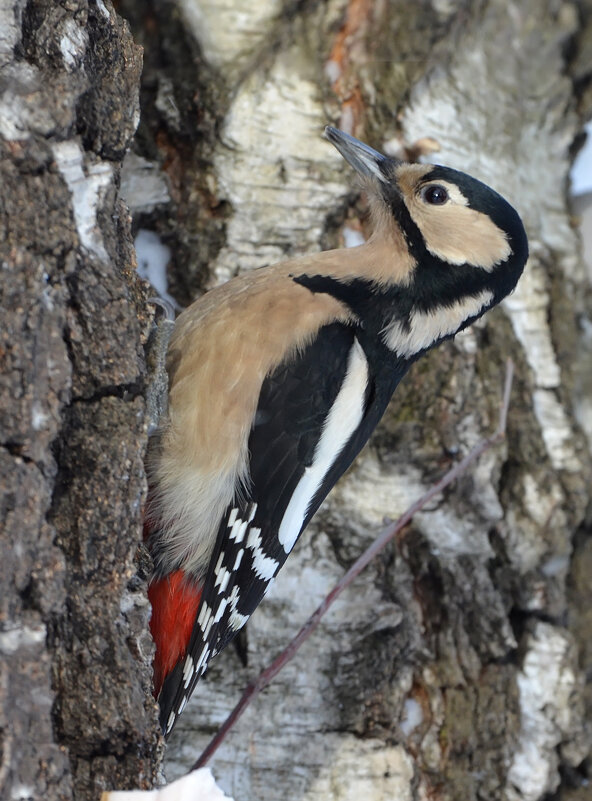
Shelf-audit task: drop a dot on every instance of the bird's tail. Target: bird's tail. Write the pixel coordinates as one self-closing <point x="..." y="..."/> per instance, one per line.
<point x="175" y="601"/>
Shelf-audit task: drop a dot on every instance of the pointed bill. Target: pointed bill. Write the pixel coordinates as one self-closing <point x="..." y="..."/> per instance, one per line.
<point x="364" y="159"/>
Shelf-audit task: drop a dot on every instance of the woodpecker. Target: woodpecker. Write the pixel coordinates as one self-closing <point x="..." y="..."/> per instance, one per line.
<point x="278" y="378"/>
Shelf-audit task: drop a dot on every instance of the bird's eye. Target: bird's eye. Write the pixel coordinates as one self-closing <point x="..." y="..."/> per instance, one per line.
<point x="435" y="194"/>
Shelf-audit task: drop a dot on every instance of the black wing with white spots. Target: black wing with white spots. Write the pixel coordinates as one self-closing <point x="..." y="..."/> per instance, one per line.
<point x="293" y="410"/>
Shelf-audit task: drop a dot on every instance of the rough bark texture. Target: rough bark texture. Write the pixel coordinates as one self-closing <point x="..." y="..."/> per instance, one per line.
<point x="76" y="714"/>
<point x="455" y="667"/>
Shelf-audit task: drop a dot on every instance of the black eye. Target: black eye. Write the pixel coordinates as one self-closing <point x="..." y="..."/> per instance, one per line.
<point x="434" y="194"/>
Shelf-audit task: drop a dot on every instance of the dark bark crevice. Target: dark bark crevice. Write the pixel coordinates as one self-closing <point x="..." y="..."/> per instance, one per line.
<point x="76" y="712"/>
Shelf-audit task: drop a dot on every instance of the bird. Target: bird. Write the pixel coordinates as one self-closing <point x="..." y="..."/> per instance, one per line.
<point x="277" y="379"/>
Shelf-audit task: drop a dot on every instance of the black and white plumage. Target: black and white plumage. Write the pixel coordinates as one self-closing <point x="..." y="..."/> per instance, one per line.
<point x="277" y="380"/>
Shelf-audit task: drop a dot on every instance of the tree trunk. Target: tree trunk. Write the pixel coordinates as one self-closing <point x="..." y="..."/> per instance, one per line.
<point x="455" y="666"/>
<point x="76" y="713"/>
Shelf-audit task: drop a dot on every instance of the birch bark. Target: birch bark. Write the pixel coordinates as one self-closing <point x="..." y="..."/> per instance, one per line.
<point x="76" y="715"/>
<point x="454" y="667"/>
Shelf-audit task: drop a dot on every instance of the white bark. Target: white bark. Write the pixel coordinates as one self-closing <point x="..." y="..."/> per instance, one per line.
<point x="433" y="673"/>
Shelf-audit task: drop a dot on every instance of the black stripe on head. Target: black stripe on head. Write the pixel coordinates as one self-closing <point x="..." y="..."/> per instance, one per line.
<point x="437" y="282"/>
<point x="433" y="285"/>
<point x="413" y="236"/>
<point x="372" y="305"/>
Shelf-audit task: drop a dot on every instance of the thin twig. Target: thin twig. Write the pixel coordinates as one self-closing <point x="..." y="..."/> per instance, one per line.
<point x="386" y="535"/>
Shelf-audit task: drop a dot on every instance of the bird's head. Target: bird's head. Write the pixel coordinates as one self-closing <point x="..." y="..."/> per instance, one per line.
<point x="467" y="244"/>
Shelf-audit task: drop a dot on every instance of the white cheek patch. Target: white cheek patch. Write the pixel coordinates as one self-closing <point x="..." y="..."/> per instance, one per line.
<point x="426" y="328"/>
<point x="454" y="232"/>
<point x="343" y="419"/>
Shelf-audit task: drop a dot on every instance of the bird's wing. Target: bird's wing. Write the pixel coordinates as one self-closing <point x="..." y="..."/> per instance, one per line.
<point x="315" y="412"/>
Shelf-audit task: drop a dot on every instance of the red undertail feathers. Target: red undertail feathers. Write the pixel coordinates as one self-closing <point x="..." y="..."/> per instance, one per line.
<point x="175" y="600"/>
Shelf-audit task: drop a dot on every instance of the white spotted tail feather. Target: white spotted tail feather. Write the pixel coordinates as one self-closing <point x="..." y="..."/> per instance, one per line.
<point x="218" y="618"/>
<point x="250" y="548"/>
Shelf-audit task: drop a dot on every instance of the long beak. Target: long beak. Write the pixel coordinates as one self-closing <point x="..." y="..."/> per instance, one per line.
<point x="361" y="157"/>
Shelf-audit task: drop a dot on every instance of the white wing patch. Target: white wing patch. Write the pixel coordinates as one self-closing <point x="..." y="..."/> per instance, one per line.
<point x="426" y="328"/>
<point x="343" y="419"/>
<point x="265" y="566"/>
<point x="188" y="670"/>
<point x="236" y="620"/>
<point x="211" y="614"/>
